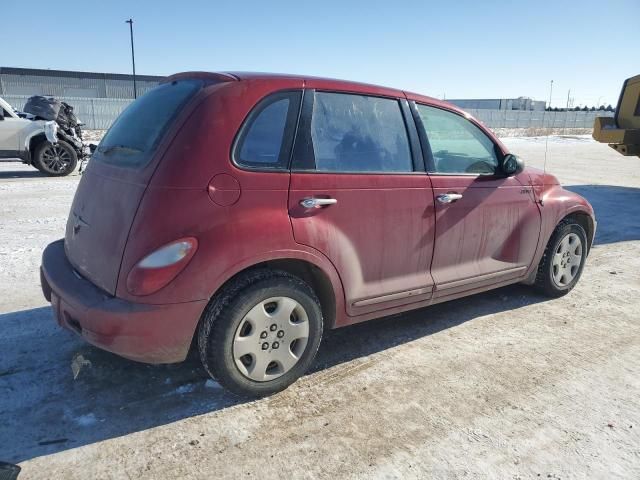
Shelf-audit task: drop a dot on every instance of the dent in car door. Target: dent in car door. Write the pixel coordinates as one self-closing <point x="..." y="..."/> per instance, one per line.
<point x="487" y="226"/>
<point x="487" y="236"/>
<point x="376" y="228"/>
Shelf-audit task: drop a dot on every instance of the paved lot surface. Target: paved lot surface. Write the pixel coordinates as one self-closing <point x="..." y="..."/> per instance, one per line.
<point x="506" y="384"/>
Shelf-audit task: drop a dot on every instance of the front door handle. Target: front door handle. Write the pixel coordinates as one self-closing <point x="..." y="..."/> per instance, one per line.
<point x="317" y="202"/>
<point x="449" y="197"/>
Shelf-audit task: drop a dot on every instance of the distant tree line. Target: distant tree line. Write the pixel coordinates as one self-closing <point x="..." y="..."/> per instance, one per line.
<point x="602" y="108"/>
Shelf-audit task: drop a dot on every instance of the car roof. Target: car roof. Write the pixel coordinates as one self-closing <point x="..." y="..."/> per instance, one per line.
<point x="287" y="76"/>
<point x="346" y="85"/>
<point x="320" y="82"/>
<point x="330" y="84"/>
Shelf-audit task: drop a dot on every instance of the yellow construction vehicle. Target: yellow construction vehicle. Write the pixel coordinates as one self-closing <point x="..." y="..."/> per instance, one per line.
<point x="622" y="131"/>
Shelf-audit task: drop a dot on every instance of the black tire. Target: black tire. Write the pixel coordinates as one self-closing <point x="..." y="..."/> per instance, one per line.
<point x="545" y="281"/>
<point x="45" y="154"/>
<point x="226" y="311"/>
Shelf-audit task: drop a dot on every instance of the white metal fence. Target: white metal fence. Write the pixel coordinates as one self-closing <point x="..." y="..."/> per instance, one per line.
<point x="535" y="119"/>
<point x="99" y="113"/>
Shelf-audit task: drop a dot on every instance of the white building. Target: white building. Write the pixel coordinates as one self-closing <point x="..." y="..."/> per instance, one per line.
<point x="520" y="103"/>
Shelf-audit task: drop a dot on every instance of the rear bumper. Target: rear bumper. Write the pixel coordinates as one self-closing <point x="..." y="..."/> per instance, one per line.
<point x="138" y="331"/>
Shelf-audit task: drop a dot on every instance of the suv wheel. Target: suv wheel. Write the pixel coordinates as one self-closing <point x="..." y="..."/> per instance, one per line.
<point x="563" y="259"/>
<point x="261" y="333"/>
<point x="56" y="160"/>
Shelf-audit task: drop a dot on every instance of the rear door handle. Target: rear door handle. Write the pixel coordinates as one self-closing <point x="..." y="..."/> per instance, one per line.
<point x="317" y="202"/>
<point x="449" y="197"/>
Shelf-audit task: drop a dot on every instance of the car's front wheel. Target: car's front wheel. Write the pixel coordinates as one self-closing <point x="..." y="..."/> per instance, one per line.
<point x="563" y="260"/>
<point x="261" y="333"/>
<point x="55" y="159"/>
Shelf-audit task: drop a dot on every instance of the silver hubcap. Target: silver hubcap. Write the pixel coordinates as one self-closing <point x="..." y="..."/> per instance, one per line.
<point x="567" y="259"/>
<point x="56" y="159"/>
<point x="271" y="338"/>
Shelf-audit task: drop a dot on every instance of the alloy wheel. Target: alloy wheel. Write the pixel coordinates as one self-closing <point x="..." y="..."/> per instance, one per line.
<point x="55" y="159"/>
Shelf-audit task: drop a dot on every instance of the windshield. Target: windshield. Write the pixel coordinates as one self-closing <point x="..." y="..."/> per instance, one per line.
<point x="134" y="136"/>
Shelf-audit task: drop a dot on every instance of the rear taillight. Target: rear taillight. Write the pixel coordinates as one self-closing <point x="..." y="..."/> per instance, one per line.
<point x="157" y="269"/>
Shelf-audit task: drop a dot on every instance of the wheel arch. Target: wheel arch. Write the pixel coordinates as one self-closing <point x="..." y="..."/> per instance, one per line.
<point x="323" y="280"/>
<point x="31" y="143"/>
<point x="317" y="272"/>
<point x="315" y="277"/>
<point x="558" y="206"/>
<point x="585" y="220"/>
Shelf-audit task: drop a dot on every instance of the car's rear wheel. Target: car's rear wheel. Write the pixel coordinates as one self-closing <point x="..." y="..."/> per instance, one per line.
<point x="260" y="333"/>
<point x="563" y="260"/>
<point x="56" y="160"/>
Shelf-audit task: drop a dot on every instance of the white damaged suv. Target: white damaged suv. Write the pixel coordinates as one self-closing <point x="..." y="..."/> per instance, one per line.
<point x="52" y="147"/>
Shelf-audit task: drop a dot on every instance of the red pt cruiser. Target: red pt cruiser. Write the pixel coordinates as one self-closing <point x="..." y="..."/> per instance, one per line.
<point x="241" y="214"/>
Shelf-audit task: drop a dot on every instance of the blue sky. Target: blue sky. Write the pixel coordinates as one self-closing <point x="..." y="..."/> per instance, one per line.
<point x="461" y="49"/>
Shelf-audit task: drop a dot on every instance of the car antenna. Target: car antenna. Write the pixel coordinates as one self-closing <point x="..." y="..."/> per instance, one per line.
<point x="546" y="142"/>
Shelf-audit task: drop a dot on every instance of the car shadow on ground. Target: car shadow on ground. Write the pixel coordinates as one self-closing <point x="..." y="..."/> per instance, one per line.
<point x="58" y="393"/>
<point x="44" y="410"/>
<point x="9" y="174"/>
<point x="617" y="211"/>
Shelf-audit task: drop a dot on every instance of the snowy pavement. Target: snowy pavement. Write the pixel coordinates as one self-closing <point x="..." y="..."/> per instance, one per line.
<point x="505" y="384"/>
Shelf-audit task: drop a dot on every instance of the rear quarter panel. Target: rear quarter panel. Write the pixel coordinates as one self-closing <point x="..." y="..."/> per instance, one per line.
<point x="177" y="203"/>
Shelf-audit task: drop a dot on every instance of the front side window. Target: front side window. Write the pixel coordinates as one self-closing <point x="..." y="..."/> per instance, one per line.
<point x="356" y="133"/>
<point x="457" y="145"/>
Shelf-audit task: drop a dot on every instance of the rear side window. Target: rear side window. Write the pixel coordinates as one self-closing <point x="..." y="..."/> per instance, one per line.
<point x="457" y="145"/>
<point x="134" y="136"/>
<point x="265" y="138"/>
<point x="357" y="133"/>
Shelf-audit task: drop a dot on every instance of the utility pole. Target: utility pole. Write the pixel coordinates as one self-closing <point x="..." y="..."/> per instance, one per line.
<point x="550" y="93"/>
<point x="568" y="97"/>
<point x="133" y="58"/>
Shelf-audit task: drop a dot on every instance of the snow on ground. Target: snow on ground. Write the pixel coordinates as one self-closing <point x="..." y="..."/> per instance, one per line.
<point x="506" y="384"/>
<point x="578" y="160"/>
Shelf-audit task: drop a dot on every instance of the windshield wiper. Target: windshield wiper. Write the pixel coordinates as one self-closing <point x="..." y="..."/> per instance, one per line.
<point x="111" y="148"/>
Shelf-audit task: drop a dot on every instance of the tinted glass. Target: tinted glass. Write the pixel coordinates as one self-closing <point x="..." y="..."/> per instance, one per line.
<point x="262" y="144"/>
<point x="355" y="133"/>
<point x="133" y="137"/>
<point x="457" y="145"/>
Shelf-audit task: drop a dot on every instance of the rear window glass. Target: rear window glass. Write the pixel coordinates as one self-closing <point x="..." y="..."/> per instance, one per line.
<point x="265" y="139"/>
<point x="133" y="137"/>
<point x="263" y="142"/>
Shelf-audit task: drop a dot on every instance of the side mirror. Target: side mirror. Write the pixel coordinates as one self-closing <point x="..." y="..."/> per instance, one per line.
<point x="92" y="147"/>
<point x="512" y="165"/>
